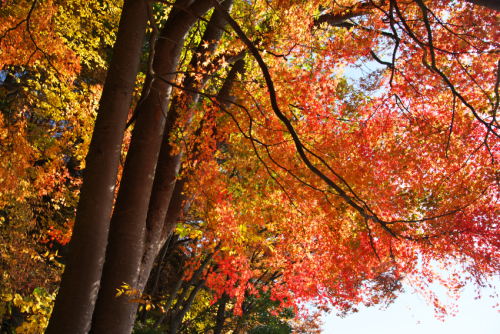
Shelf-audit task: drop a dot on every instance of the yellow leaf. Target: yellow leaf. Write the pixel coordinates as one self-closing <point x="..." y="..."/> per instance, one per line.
<point x="17" y="300"/>
<point x="119" y="293"/>
<point x="20" y="329"/>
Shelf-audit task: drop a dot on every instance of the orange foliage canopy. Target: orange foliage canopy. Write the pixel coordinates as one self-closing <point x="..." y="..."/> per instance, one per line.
<point x="343" y="185"/>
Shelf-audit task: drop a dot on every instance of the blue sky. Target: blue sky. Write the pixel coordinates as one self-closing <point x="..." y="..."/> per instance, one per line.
<point x="410" y="315"/>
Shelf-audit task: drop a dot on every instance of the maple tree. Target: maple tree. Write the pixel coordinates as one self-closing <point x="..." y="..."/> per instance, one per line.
<point x="246" y="125"/>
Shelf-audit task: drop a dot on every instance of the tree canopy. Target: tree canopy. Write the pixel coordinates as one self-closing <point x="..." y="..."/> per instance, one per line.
<point x="214" y="162"/>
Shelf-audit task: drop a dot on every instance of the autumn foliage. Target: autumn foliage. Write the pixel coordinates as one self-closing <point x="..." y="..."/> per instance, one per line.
<point x="303" y="152"/>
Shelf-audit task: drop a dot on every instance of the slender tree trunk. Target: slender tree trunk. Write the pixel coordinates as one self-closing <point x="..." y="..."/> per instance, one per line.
<point x="168" y="245"/>
<point x="180" y="201"/>
<point x="180" y="300"/>
<point x="80" y="282"/>
<point x="128" y="229"/>
<point x="179" y="315"/>
<point x="221" y="316"/>
<point x="169" y="302"/>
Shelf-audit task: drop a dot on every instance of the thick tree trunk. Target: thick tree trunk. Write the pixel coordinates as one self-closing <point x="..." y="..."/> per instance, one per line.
<point x="168" y="165"/>
<point x="128" y="229"/>
<point x="80" y="282"/>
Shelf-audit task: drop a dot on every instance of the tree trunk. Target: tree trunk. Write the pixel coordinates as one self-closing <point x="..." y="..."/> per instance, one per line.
<point x="165" y="254"/>
<point x="128" y="229"/>
<point x="168" y="165"/>
<point x="180" y="200"/>
<point x="180" y="300"/>
<point x="179" y="316"/>
<point x="221" y="316"/>
<point x="169" y="302"/>
<point x="178" y="313"/>
<point x="80" y="282"/>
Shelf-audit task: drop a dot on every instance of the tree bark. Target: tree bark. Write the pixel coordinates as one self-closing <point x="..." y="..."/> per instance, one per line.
<point x="179" y="316"/>
<point x="168" y="165"/>
<point x="181" y="201"/>
<point x="169" y="302"/>
<point x="157" y="274"/>
<point x="127" y="229"/>
<point x="177" y="313"/>
<point x="80" y="282"/>
<point x="221" y="316"/>
<point x="180" y="300"/>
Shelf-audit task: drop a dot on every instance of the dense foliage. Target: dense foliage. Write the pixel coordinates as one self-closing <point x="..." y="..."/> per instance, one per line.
<point x="234" y="124"/>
